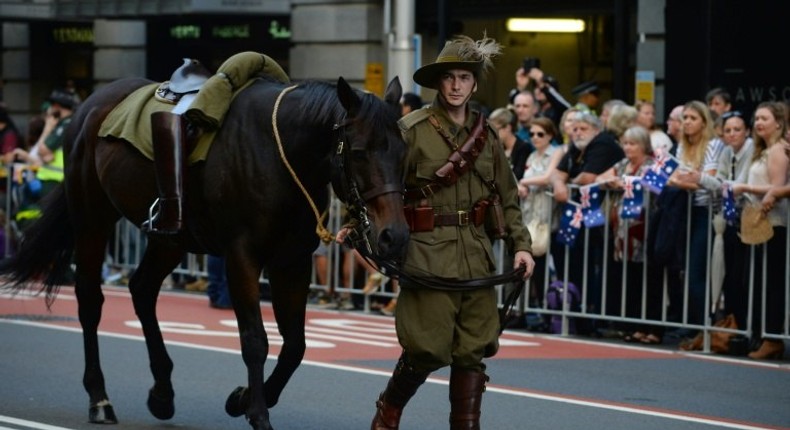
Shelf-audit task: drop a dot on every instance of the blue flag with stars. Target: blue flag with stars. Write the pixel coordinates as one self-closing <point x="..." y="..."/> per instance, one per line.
<point x="591" y="198"/>
<point x="728" y="203"/>
<point x="632" y="198"/>
<point x="657" y="176"/>
<point x="570" y="224"/>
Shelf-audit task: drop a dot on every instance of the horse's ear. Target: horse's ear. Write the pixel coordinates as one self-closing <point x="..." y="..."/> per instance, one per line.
<point x="348" y="97"/>
<point x="394" y="92"/>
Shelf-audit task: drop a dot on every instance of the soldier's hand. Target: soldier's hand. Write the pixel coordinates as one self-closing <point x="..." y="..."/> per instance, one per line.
<point x="524" y="258"/>
<point x="341" y="235"/>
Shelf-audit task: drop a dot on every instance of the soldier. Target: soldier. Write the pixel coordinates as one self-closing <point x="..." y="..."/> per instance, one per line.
<point x="449" y="238"/>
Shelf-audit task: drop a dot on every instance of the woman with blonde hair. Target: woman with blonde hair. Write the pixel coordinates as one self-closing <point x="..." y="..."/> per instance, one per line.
<point x="699" y="151"/>
<point x="769" y="169"/>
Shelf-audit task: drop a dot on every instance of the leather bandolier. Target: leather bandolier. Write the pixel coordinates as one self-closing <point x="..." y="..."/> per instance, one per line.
<point x="460" y="162"/>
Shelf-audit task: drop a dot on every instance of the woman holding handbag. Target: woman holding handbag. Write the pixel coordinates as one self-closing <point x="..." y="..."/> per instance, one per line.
<point x="768" y="169"/>
<point x="537" y="207"/>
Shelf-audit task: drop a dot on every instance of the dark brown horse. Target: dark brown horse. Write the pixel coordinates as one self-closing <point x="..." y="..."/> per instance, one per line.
<point x="243" y="203"/>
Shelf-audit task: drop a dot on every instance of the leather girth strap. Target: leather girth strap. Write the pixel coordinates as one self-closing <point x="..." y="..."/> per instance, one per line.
<point x="458" y="163"/>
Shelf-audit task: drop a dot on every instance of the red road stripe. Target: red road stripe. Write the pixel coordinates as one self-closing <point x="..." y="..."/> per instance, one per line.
<point x="332" y="335"/>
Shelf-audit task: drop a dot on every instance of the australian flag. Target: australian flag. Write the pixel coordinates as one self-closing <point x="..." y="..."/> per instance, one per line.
<point x="728" y="203"/>
<point x="632" y="198"/>
<point x="570" y="224"/>
<point x="591" y="198"/>
<point x="657" y="176"/>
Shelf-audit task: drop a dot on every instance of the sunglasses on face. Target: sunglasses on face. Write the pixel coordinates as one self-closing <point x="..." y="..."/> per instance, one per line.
<point x="537" y="134"/>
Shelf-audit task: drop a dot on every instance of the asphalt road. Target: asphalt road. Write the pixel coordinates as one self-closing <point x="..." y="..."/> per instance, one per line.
<point x="540" y="382"/>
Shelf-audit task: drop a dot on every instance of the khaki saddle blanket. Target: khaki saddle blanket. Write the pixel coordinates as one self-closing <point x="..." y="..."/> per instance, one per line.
<point x="131" y="119"/>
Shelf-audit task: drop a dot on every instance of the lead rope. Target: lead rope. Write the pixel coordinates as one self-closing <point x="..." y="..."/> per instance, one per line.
<point x="325" y="235"/>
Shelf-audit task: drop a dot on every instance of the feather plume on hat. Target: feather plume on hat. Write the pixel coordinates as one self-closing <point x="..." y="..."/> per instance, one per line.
<point x="462" y="52"/>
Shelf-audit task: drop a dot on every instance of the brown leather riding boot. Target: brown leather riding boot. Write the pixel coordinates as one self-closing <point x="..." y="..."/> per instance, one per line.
<point x="466" y="393"/>
<point x="169" y="133"/>
<point x="400" y="388"/>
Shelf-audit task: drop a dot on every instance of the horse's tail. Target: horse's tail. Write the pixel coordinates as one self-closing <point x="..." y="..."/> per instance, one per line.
<point x="45" y="250"/>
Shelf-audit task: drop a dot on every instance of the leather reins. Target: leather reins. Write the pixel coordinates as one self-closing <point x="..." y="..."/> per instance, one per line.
<point x="343" y="183"/>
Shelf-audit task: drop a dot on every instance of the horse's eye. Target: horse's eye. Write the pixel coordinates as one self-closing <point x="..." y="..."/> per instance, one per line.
<point x="359" y="155"/>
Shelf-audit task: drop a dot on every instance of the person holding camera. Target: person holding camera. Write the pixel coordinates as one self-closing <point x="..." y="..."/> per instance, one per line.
<point x="551" y="104"/>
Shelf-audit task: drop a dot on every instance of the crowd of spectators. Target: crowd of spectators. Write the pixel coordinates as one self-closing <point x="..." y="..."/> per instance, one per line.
<point x="725" y="159"/>
<point x="649" y="271"/>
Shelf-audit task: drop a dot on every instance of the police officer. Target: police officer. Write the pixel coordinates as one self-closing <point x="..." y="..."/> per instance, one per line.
<point x="449" y="238"/>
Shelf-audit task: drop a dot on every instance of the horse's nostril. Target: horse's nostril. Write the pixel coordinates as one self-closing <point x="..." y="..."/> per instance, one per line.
<point x="391" y="244"/>
<point x="385" y="239"/>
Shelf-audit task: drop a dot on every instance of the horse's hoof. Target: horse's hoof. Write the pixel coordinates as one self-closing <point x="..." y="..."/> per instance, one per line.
<point x="102" y="413"/>
<point x="238" y="402"/>
<point x="261" y="424"/>
<point x="161" y="407"/>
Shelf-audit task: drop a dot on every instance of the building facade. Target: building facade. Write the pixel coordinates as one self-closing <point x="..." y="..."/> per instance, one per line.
<point x="669" y="50"/>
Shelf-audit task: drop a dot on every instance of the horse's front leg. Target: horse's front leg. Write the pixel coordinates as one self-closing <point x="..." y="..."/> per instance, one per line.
<point x="289" y="286"/>
<point x="88" y="258"/>
<point x="159" y="259"/>
<point x="243" y="272"/>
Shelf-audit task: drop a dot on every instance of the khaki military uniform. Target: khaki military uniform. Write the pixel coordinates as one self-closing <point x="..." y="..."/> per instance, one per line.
<point x="440" y="328"/>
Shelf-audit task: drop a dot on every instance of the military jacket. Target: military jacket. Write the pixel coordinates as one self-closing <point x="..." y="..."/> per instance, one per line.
<point x="459" y="252"/>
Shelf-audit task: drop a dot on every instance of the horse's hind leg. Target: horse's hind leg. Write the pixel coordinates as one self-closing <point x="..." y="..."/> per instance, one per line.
<point x="158" y="261"/>
<point x="89" y="255"/>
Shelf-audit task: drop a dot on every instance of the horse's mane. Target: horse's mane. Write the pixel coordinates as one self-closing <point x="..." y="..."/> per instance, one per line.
<point x="320" y="103"/>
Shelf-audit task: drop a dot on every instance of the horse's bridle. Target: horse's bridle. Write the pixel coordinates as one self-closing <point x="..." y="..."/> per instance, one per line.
<point x="347" y="189"/>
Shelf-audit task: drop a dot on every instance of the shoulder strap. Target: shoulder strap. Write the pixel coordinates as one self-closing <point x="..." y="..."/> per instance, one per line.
<point x="413" y="118"/>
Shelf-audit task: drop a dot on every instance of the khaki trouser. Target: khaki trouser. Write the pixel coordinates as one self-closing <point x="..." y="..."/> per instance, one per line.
<point x="440" y="328"/>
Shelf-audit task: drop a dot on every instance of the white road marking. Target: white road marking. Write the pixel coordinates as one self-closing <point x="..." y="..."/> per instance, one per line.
<point x="27" y="424"/>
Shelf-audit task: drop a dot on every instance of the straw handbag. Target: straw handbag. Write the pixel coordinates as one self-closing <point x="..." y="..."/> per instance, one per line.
<point x="755" y="227"/>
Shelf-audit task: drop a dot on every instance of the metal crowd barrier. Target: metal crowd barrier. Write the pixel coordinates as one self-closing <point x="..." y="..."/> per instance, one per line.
<point x="126" y="250"/>
<point x="619" y="316"/>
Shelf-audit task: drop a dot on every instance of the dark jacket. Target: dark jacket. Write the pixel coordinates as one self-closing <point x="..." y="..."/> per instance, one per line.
<point x="666" y="237"/>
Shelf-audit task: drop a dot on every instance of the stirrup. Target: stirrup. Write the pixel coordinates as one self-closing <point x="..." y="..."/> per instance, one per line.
<point x="148" y="225"/>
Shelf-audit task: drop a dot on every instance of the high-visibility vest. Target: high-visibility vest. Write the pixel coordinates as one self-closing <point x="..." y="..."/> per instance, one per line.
<point x="54" y="170"/>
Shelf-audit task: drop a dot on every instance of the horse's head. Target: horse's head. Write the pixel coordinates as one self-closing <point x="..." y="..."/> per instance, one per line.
<point x="368" y="165"/>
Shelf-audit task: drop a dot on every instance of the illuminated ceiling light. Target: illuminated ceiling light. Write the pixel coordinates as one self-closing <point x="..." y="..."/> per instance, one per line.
<point x="547" y="25"/>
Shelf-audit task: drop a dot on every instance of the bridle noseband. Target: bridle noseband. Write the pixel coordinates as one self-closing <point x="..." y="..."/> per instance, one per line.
<point x="347" y="189"/>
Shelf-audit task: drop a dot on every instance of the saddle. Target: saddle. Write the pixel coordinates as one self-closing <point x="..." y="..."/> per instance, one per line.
<point x="186" y="79"/>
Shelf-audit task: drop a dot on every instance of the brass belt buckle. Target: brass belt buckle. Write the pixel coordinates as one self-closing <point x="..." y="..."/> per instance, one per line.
<point x="463" y="218"/>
